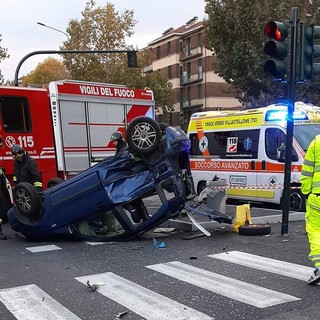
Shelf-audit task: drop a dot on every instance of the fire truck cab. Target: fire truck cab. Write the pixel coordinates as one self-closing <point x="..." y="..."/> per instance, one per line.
<point x="66" y="127"/>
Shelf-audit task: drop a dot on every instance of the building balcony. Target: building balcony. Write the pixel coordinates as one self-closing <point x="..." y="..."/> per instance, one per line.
<point x="189" y="79"/>
<point x="190" y="53"/>
<point x="191" y="103"/>
<point x="148" y="68"/>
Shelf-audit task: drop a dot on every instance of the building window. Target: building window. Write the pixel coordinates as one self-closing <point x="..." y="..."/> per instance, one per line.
<point x="181" y="45"/>
<point x="158" y="52"/>
<point x="169" y="72"/>
<point x="169" y="48"/>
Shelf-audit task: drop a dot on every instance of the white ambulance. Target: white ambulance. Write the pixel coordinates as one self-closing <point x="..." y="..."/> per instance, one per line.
<point x="242" y="147"/>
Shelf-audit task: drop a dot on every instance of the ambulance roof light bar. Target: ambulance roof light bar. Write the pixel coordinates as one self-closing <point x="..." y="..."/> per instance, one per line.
<point x="281" y="115"/>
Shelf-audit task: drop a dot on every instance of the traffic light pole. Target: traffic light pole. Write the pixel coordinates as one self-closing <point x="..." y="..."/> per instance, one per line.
<point x="289" y="139"/>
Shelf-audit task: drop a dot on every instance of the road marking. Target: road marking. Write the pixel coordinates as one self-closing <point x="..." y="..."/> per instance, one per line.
<point x="92" y="243"/>
<point x="140" y="300"/>
<point x="30" y="302"/>
<point x="282" y="268"/>
<point x="235" y="289"/>
<point x="49" y="247"/>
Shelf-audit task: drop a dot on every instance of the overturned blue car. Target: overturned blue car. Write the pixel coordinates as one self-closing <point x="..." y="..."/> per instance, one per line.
<point x="107" y="201"/>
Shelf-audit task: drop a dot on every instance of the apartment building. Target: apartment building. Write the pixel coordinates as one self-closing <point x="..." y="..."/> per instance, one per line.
<point x="180" y="56"/>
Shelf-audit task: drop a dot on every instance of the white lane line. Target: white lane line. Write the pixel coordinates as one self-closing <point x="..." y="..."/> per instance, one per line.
<point x="91" y="243"/>
<point x="282" y="268"/>
<point x="30" y="302"/>
<point x="142" y="301"/>
<point x="234" y="289"/>
<point x="49" y="247"/>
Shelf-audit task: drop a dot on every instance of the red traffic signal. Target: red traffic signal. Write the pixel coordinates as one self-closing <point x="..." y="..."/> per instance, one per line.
<point x="276" y="30"/>
<point x="276" y="48"/>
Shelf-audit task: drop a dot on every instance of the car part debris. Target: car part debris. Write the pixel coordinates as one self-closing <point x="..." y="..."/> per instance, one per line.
<point x="93" y="286"/>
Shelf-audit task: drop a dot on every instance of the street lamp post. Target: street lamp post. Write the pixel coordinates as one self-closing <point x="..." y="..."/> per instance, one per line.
<point x="44" y="25"/>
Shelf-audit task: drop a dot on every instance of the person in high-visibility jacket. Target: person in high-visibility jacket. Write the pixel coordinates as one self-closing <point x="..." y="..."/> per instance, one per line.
<point x="310" y="187"/>
<point x="25" y="168"/>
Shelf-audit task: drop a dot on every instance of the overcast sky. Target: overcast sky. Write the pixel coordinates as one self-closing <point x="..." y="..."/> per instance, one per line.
<point x="21" y="34"/>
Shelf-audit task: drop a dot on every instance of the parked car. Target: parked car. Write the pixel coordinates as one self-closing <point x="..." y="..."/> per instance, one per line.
<point x="106" y="201"/>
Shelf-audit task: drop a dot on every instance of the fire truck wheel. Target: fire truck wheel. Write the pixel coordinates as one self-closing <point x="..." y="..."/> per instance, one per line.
<point x="255" y="229"/>
<point x="53" y="182"/>
<point x="27" y="199"/>
<point x="143" y="135"/>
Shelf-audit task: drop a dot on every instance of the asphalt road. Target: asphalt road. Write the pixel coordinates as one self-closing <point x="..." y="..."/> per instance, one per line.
<point x="193" y="277"/>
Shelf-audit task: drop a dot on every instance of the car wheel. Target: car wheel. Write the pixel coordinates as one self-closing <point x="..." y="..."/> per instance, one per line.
<point x="255" y="229"/>
<point x="27" y="199"/>
<point x="297" y="201"/>
<point x="53" y="182"/>
<point x="201" y="187"/>
<point x="143" y="135"/>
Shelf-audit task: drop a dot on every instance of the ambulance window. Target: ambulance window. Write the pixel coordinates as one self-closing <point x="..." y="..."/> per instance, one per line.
<point x="274" y="138"/>
<point x="242" y="144"/>
<point x="15" y="114"/>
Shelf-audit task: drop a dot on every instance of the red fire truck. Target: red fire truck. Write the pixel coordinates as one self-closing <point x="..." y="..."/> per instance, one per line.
<point x="67" y="127"/>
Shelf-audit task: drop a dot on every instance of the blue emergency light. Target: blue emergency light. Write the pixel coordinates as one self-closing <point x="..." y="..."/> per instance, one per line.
<point x="282" y="115"/>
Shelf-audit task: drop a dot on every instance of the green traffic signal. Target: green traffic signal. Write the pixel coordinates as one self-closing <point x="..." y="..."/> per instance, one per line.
<point x="276" y="48"/>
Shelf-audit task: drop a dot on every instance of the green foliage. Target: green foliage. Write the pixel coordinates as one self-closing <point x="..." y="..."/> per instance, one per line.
<point x="101" y="28"/>
<point x="234" y="31"/>
<point x="3" y="55"/>
<point x="104" y="28"/>
<point x="49" y="70"/>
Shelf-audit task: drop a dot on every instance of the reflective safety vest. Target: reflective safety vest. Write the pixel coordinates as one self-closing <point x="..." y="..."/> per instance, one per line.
<point x="310" y="173"/>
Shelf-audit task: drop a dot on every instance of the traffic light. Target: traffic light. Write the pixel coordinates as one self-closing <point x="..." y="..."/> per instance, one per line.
<point x="308" y="52"/>
<point x="132" y="59"/>
<point x="276" y="48"/>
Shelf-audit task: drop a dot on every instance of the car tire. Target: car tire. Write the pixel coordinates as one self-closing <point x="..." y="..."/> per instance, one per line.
<point x="255" y="229"/>
<point x="201" y="186"/>
<point x="297" y="201"/>
<point x="26" y="199"/>
<point x="143" y="135"/>
<point x="53" y="182"/>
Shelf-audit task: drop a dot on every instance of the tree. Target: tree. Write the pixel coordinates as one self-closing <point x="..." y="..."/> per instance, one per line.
<point x="234" y="31"/>
<point x="101" y="28"/>
<point x="3" y="55"/>
<point x="105" y="28"/>
<point x="49" y="70"/>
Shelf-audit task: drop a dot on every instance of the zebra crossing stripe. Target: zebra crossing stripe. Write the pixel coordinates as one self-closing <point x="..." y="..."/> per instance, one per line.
<point x="234" y="289"/>
<point x="30" y="302"/>
<point x="282" y="268"/>
<point x="49" y="247"/>
<point x="142" y="301"/>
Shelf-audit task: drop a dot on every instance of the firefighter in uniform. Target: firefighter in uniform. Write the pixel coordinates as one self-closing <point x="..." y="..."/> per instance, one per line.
<point x="25" y="168"/>
<point x="117" y="139"/>
<point x="310" y="187"/>
<point x="5" y="200"/>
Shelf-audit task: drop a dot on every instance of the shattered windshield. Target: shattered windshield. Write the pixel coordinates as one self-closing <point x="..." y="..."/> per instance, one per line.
<point x="100" y="225"/>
